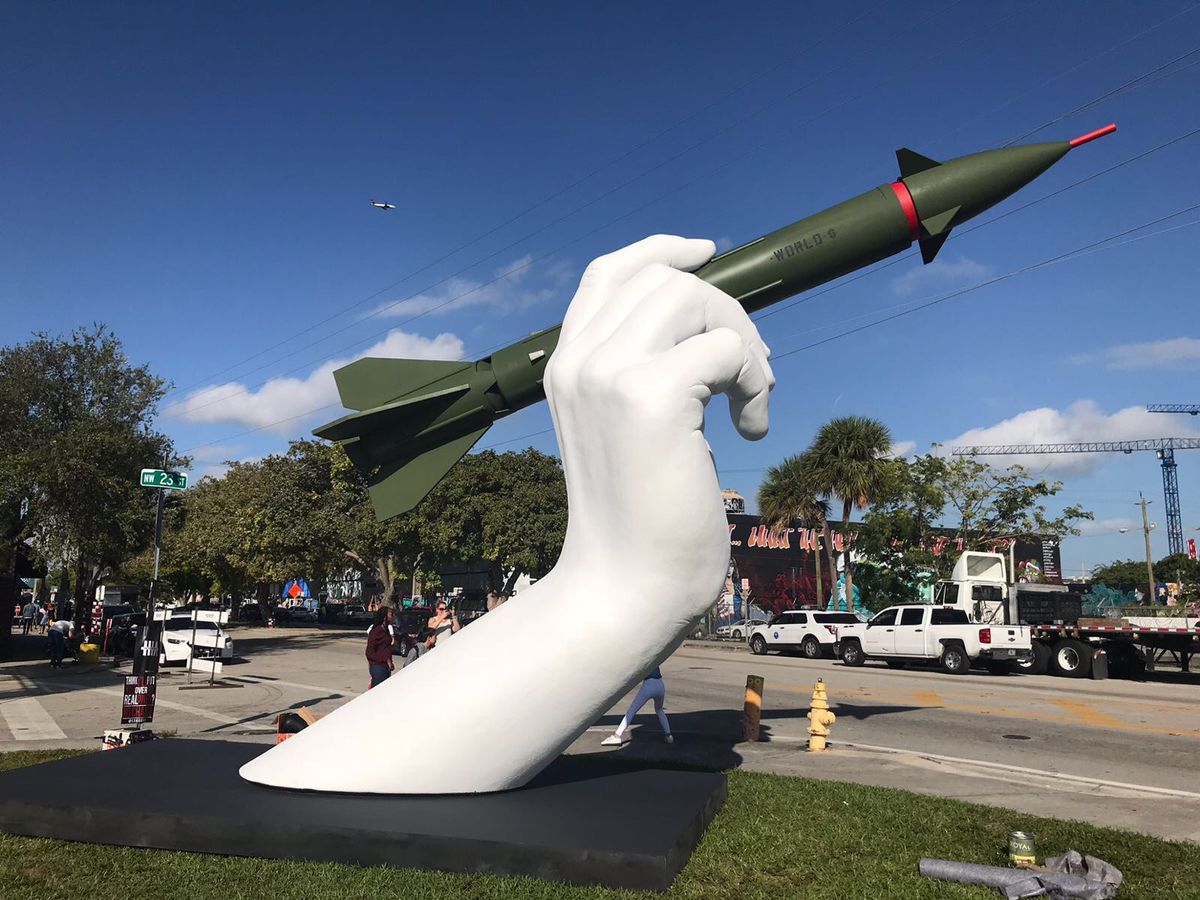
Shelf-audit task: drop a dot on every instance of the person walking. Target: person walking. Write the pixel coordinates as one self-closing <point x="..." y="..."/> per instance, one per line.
<point x="444" y="623"/>
<point x="654" y="689"/>
<point x="379" y="647"/>
<point x="28" y="613"/>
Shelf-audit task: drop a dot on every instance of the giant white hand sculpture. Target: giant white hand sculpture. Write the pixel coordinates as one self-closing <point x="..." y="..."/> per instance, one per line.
<point x="644" y="347"/>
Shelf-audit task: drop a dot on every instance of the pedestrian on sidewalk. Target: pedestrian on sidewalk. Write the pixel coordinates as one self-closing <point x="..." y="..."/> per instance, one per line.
<point x="423" y="644"/>
<point x="379" y="647"/>
<point x="58" y="647"/>
<point x="444" y="623"/>
<point x="654" y="689"/>
<point x="28" y="614"/>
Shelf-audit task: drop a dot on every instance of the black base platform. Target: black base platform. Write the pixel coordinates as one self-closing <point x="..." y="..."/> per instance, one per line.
<point x="580" y="821"/>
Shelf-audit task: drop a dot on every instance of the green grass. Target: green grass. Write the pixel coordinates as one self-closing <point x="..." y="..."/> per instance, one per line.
<point x="776" y="837"/>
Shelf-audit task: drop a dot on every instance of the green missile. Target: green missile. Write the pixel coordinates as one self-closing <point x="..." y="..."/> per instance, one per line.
<point x="416" y="418"/>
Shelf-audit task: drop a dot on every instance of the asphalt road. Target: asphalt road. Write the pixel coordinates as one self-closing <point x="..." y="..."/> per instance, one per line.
<point x="1115" y="752"/>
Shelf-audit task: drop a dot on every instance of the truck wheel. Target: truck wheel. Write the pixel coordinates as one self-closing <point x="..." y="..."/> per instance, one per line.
<point x="1072" y="658"/>
<point x="757" y="645"/>
<point x="852" y="654"/>
<point x="955" y="660"/>
<point x="1038" y="663"/>
<point x="811" y="648"/>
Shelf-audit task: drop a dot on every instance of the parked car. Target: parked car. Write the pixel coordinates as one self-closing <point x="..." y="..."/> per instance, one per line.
<point x="250" y="612"/>
<point x="903" y="634"/>
<point x="740" y="628"/>
<point x="211" y="642"/>
<point x="356" y="615"/>
<point x="813" y="633"/>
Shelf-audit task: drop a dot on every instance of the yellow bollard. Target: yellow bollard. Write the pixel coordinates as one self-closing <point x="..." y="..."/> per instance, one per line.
<point x="820" y="718"/>
<point x="753" y="708"/>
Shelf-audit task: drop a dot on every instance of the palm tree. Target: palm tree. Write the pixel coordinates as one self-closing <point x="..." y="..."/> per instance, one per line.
<point x="849" y="459"/>
<point x="785" y="497"/>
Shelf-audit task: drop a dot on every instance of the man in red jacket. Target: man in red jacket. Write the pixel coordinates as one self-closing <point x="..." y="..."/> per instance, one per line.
<point x="379" y="646"/>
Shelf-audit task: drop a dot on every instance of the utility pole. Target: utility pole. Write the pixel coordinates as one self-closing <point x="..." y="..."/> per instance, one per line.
<point x="1149" y="559"/>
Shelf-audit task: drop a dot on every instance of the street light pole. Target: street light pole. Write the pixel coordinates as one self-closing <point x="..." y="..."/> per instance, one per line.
<point x="1149" y="559"/>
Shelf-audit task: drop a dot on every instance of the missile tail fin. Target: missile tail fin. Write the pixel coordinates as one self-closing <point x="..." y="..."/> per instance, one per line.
<point x="937" y="229"/>
<point x="399" y="487"/>
<point x="911" y="162"/>
<point x="931" y="245"/>
<point x="375" y="381"/>
<point x="417" y="412"/>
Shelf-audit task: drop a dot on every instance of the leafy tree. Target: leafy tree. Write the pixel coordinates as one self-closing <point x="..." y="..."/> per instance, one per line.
<point x="507" y="509"/>
<point x="1122" y="572"/>
<point x="849" y="459"/>
<point x="930" y="499"/>
<point x="785" y="497"/>
<point x="75" y="429"/>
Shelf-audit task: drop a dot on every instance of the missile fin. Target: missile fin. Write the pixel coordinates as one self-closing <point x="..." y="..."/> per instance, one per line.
<point x="399" y="487"/>
<point x="911" y="162"/>
<point x="931" y="245"/>
<point x="374" y="381"/>
<point x="413" y="409"/>
<point x="941" y="223"/>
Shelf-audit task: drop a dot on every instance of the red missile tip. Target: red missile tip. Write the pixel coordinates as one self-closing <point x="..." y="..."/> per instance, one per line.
<point x="1092" y="135"/>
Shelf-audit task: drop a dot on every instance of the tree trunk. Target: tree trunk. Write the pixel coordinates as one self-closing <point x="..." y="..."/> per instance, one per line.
<point x="510" y="581"/>
<point x="827" y="533"/>
<point x="817" y="560"/>
<point x="846" y="550"/>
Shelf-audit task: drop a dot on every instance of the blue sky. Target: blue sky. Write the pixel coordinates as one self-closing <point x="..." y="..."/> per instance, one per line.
<point x="198" y="177"/>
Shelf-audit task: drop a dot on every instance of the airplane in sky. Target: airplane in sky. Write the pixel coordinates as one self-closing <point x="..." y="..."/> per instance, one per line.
<point x="379" y="204"/>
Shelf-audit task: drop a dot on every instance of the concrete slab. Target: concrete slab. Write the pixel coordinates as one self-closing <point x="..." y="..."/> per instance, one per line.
<point x="581" y="821"/>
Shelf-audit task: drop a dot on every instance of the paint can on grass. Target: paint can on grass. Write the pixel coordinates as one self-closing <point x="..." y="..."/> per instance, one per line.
<point x="1021" y="849"/>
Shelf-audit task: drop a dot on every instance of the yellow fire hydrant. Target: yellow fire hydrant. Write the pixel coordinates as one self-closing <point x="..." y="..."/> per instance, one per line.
<point x="819" y="718"/>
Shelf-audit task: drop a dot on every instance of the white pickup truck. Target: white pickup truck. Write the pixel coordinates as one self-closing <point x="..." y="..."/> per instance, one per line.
<point x="902" y="634"/>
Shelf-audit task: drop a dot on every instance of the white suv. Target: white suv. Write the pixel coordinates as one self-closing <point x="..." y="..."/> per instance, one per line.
<point x="811" y="632"/>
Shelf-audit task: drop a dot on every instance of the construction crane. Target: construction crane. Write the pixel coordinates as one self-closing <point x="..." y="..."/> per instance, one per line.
<point x="1192" y="409"/>
<point x="1164" y="448"/>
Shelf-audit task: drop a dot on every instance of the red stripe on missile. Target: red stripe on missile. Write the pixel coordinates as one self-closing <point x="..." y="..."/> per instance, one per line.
<point x="910" y="208"/>
<point x="1092" y="135"/>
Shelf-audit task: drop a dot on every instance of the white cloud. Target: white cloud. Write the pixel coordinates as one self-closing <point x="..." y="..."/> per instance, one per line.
<point x="1082" y="421"/>
<point x="281" y="401"/>
<point x="508" y="287"/>
<point x="901" y="449"/>
<point x="940" y="275"/>
<point x="1173" y="353"/>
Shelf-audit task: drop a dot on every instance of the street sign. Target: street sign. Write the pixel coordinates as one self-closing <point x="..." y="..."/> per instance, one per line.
<point x="137" y="703"/>
<point x="160" y="478"/>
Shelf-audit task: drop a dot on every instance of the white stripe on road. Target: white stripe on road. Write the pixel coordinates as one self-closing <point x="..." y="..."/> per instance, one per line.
<point x="1022" y="770"/>
<point x="28" y="720"/>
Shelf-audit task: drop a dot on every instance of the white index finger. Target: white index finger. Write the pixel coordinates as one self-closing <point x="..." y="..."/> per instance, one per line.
<point x="614" y="269"/>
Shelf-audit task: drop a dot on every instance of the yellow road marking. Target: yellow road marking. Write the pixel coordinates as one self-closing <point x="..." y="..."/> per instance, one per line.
<point x="1087" y="715"/>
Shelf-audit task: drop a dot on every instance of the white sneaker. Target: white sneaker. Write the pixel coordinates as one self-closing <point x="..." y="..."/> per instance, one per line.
<point x="669" y="739"/>
<point x="611" y="741"/>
